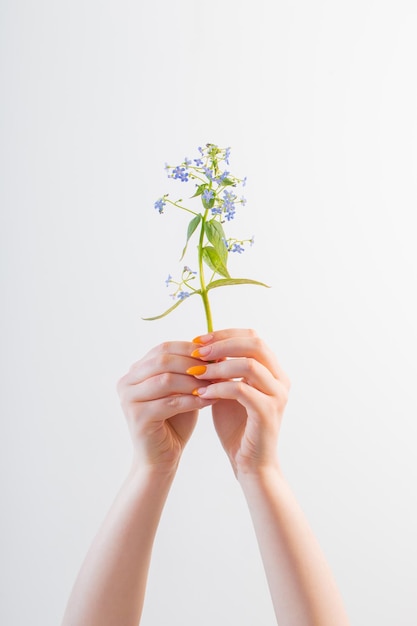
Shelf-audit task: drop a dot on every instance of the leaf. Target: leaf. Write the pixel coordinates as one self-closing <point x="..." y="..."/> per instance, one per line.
<point x="213" y="260"/>
<point x="223" y="282"/>
<point x="200" y="190"/>
<point x="191" y="228"/>
<point x="174" y="306"/>
<point x="226" y="182"/>
<point x="215" y="235"/>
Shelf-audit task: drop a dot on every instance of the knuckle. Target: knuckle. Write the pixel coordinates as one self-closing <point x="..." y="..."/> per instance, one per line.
<point x="164" y="347"/>
<point x="164" y="380"/>
<point x="173" y="402"/>
<point x="249" y="366"/>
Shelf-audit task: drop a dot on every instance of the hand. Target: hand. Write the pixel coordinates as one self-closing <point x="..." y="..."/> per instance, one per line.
<point x="156" y="397"/>
<point x="251" y="391"/>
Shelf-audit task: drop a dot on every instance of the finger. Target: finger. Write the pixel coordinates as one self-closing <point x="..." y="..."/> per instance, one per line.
<point x="162" y="385"/>
<point x="247" y="369"/>
<point x="246" y="344"/>
<point x="173" y="357"/>
<point x="252" y="399"/>
<point x="162" y="409"/>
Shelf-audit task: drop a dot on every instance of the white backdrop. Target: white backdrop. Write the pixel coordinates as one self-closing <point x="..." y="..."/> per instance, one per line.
<point x="318" y="101"/>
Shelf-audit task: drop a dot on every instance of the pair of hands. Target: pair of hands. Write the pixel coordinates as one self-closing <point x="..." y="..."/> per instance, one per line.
<point x="231" y="370"/>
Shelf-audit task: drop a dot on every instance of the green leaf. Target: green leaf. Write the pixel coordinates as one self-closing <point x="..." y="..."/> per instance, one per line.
<point x="215" y="235"/>
<point x="226" y="182"/>
<point x="191" y="229"/>
<point x="174" y="306"/>
<point x="212" y="259"/>
<point x="200" y="190"/>
<point x="223" y="282"/>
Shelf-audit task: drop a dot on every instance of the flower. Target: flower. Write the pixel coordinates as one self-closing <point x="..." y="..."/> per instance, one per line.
<point x="214" y="204"/>
<point x="208" y="194"/>
<point x="179" y="172"/>
<point x="159" y="204"/>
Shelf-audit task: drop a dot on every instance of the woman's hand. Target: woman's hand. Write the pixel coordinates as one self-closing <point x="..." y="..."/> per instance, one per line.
<point x="161" y="411"/>
<point x="251" y="392"/>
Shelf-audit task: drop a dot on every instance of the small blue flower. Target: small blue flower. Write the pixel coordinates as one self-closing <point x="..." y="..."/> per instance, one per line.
<point x="168" y="280"/>
<point x="187" y="162"/>
<point x="220" y="179"/>
<point x="243" y="201"/>
<point x="207" y="195"/>
<point x="179" y="172"/>
<point x="182" y="295"/>
<point x="216" y="210"/>
<point x="189" y="270"/>
<point x="227" y="155"/>
<point x="198" y="162"/>
<point x="208" y="173"/>
<point x="237" y="248"/>
<point x="159" y="204"/>
<point x="244" y="181"/>
<point x="228" y="204"/>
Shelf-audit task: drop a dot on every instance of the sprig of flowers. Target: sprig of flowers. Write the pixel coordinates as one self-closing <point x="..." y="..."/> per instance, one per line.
<point x="215" y="188"/>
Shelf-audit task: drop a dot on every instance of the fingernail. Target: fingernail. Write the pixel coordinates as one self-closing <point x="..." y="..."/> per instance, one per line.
<point x="203" y="351"/>
<point x="196" y="370"/>
<point x="203" y="338"/>
<point x="199" y="392"/>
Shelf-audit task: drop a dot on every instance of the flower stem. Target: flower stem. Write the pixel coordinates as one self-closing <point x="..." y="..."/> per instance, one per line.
<point x="204" y="292"/>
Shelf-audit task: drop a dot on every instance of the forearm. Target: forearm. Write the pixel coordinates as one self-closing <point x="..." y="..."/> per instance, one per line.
<point x="110" y="587"/>
<point x="301" y="584"/>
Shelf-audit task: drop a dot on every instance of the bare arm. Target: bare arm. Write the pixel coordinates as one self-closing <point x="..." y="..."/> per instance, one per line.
<point x="251" y="391"/>
<point x="161" y="413"/>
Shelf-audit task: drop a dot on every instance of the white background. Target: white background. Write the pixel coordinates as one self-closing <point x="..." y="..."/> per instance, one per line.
<point x="318" y="101"/>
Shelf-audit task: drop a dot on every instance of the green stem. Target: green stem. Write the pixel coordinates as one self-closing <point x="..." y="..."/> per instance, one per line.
<point x="204" y="292"/>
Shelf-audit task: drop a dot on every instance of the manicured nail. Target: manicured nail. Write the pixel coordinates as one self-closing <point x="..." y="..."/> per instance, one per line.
<point x="197" y="370"/>
<point x="203" y="338"/>
<point x="199" y="392"/>
<point x="203" y="351"/>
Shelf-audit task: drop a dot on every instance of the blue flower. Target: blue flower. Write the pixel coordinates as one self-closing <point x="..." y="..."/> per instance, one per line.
<point x="216" y="210"/>
<point x="222" y="177"/>
<point x="198" y="162"/>
<point x="187" y="162"/>
<point x="227" y="155"/>
<point x="244" y="181"/>
<point x="168" y="280"/>
<point x="228" y="204"/>
<point x="182" y="295"/>
<point x="179" y="172"/>
<point x="237" y="248"/>
<point x="208" y="173"/>
<point x="159" y="204"/>
<point x="207" y="195"/>
<point x="243" y="201"/>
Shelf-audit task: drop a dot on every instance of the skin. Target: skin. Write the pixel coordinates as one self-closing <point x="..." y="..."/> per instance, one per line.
<point x="238" y="375"/>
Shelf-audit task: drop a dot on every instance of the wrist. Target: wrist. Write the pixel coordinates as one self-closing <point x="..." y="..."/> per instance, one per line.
<point x="260" y="476"/>
<point x="143" y="473"/>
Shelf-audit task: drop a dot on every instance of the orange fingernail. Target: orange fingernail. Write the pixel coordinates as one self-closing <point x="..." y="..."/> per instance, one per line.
<point x="196" y="370"/>
<point x="203" y="351"/>
<point x="203" y="338"/>
<point x="195" y="392"/>
<point x="199" y="392"/>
